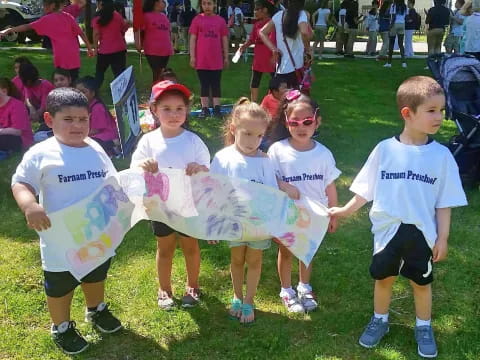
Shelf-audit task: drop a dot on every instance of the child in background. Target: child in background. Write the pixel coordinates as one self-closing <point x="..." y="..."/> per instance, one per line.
<point x="70" y="151"/>
<point x="372" y="28"/>
<point x="454" y="38"/>
<point x="156" y="41"/>
<point x="209" y="54"/>
<point x="109" y="29"/>
<point x="63" y="31"/>
<point x="15" y="126"/>
<point x="103" y="128"/>
<point x="61" y="78"/>
<point x="172" y="146"/>
<point x="413" y="182"/>
<point x="75" y="8"/>
<point x="262" y="55"/>
<point x="35" y="92"/>
<point x="16" y="79"/>
<point x="321" y="19"/>
<point x="241" y="158"/>
<point x="235" y="21"/>
<point x="271" y="102"/>
<point x="296" y="153"/>
<point x="185" y="19"/>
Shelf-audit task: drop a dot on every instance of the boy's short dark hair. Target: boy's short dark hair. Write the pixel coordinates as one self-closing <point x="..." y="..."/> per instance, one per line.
<point x="61" y="98"/>
<point x="416" y="90"/>
<point x="275" y="83"/>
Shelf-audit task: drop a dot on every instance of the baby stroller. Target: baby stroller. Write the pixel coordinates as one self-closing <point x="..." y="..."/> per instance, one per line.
<point x="460" y="79"/>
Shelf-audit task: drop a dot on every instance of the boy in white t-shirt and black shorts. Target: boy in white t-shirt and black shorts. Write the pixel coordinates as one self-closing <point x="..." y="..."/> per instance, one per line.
<point x="59" y="170"/>
<point x="413" y="182"/>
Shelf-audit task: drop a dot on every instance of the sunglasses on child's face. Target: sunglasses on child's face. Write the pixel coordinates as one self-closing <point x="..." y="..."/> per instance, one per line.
<point x="309" y="120"/>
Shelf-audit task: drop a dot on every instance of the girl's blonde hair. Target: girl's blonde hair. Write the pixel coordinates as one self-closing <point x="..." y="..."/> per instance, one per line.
<point x="243" y="109"/>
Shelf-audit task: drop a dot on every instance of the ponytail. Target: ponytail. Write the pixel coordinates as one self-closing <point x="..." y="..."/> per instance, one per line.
<point x="290" y="21"/>
<point x="106" y="12"/>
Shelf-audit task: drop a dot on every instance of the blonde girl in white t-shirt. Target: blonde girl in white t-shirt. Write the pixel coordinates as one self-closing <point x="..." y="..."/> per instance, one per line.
<point x="241" y="158"/>
<point x="172" y="146"/>
<point x="304" y="168"/>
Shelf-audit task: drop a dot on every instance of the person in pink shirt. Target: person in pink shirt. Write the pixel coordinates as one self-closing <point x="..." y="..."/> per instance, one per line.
<point x="103" y="127"/>
<point x="35" y="91"/>
<point x="154" y="37"/>
<point x="16" y="79"/>
<point x="262" y="55"/>
<point x="63" y="31"/>
<point x="271" y="101"/>
<point x="15" y="127"/>
<point x="109" y="29"/>
<point x="209" y="54"/>
<point x="75" y="8"/>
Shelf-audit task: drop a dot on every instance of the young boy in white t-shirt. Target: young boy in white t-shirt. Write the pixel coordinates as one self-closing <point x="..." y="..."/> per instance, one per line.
<point x="413" y="182"/>
<point x="61" y="171"/>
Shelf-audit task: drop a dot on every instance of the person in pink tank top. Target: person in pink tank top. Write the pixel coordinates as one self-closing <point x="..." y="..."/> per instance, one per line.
<point x="15" y="127"/>
<point x="63" y="31"/>
<point x="209" y="54"/>
<point x="109" y="29"/>
<point x="154" y="38"/>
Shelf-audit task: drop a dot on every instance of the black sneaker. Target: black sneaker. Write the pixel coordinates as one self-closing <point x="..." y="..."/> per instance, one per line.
<point x="217" y="111"/>
<point x="204" y="113"/>
<point x="70" y="341"/>
<point x="103" y="319"/>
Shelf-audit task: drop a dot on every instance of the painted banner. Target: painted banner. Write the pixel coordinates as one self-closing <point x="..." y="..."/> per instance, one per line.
<point x="205" y="206"/>
<point x="124" y="96"/>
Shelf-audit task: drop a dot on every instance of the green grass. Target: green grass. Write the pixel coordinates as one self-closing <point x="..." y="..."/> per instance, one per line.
<point x="358" y="110"/>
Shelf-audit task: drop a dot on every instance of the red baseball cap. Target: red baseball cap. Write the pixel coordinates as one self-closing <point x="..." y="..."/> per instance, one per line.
<point x="166" y="85"/>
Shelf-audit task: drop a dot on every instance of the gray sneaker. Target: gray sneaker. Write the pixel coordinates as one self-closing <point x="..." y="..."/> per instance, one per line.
<point x="191" y="298"/>
<point x="427" y="347"/>
<point x="373" y="333"/>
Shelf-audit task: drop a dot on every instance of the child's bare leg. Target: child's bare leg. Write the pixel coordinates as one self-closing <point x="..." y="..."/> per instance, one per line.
<point x="253" y="258"/>
<point x="284" y="266"/>
<point x="304" y="272"/>
<point x="237" y="271"/>
<point x="165" y="249"/>
<point x="94" y="293"/>
<point x="254" y="94"/>
<point x="383" y="295"/>
<point x="422" y="294"/>
<point x="59" y="308"/>
<point x="191" y="251"/>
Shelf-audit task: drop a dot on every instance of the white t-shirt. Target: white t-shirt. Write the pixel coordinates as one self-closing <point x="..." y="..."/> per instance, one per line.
<point x="62" y="175"/>
<point x="310" y="171"/>
<point x="175" y="153"/>
<point x="296" y="45"/>
<point x="322" y="17"/>
<point x="472" y="33"/>
<point x="407" y="183"/>
<point x="230" y="162"/>
<point x="399" y="18"/>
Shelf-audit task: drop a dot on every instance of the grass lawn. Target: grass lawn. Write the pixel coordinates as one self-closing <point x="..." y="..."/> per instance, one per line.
<point x="358" y="109"/>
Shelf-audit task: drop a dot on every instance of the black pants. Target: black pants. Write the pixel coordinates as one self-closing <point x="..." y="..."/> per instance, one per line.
<point x="391" y="45"/>
<point x="117" y="61"/>
<point x="157" y="64"/>
<point x="290" y="79"/>
<point x="256" y="78"/>
<point x="210" y="83"/>
<point x="10" y="143"/>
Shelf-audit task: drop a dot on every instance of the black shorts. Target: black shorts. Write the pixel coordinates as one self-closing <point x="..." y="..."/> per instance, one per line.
<point x="407" y="254"/>
<point x="160" y="229"/>
<point x="58" y="284"/>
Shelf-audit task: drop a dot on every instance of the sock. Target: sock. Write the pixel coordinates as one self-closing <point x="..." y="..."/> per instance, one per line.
<point x="61" y="328"/>
<point x="384" y="317"/>
<point x="303" y="287"/>
<point x="99" y="307"/>
<point x="287" y="292"/>
<point x="419" y="322"/>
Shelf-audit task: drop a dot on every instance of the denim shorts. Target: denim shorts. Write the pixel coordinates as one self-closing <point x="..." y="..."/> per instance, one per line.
<point x="258" y="245"/>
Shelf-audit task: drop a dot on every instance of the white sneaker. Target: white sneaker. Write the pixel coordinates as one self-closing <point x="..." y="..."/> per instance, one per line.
<point x="293" y="304"/>
<point x="404" y="65"/>
<point x="308" y="300"/>
<point x="387" y="65"/>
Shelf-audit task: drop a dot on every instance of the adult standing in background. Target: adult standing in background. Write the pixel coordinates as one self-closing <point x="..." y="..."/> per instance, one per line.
<point x="352" y="19"/>
<point x="412" y="23"/>
<point x="293" y="35"/>
<point x="438" y="17"/>
<point x="384" y="28"/>
<point x="398" y="11"/>
<point x="321" y="19"/>
<point x="472" y="31"/>
<point x="341" y="35"/>
<point x="184" y="21"/>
